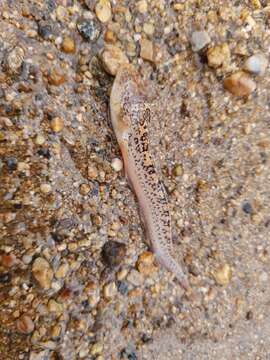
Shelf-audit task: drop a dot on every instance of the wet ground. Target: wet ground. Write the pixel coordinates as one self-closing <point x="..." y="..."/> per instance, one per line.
<point x="76" y="279"/>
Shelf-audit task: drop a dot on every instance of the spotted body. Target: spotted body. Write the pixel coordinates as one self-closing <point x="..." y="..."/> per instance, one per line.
<point x="130" y="116"/>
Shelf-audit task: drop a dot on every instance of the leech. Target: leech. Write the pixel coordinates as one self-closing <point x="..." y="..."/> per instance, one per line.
<point x="130" y="116"/>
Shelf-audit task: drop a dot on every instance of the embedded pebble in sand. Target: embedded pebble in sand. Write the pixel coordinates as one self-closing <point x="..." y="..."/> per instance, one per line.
<point x="42" y="272"/>
<point x="199" y="39"/>
<point x="256" y="64"/>
<point x="103" y="10"/>
<point x="239" y="84"/>
<point x="25" y="324"/>
<point x="117" y="164"/>
<point x="223" y="275"/>
<point x="112" y="58"/>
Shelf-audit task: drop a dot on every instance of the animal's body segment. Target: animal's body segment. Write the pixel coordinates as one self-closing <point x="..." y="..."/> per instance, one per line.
<point x="130" y="116"/>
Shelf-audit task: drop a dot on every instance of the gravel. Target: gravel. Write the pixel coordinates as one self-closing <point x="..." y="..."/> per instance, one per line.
<point x="64" y="198"/>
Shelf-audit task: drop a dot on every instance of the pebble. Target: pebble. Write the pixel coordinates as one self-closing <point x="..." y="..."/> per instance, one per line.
<point x="42" y="272"/>
<point x="223" y="275"/>
<point x="45" y="188"/>
<point x="54" y="306"/>
<point x="25" y="324"/>
<point x="199" y="39"/>
<point x="117" y="164"/>
<point x="62" y="271"/>
<point x="57" y="124"/>
<point x="56" y="76"/>
<point x="110" y="290"/>
<point x="135" y="278"/>
<point x="178" y="170"/>
<point x="15" y="59"/>
<point x="219" y="55"/>
<point x="89" y="29"/>
<point x="147" y="50"/>
<point x="44" y="29"/>
<point x="145" y="263"/>
<point x="84" y="189"/>
<point x="92" y="172"/>
<point x="142" y="6"/>
<point x="256" y="64"/>
<point x="239" y="84"/>
<point x="149" y="29"/>
<point x="103" y="10"/>
<point x="40" y="139"/>
<point x="8" y="260"/>
<point x="68" y="45"/>
<point x="113" y="253"/>
<point x="96" y="349"/>
<point x="112" y="58"/>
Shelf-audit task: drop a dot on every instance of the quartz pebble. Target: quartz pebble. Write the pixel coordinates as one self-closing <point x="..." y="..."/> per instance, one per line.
<point x="135" y="278"/>
<point x="57" y="124"/>
<point x="110" y="290"/>
<point x="15" y="59"/>
<point x="147" y="50"/>
<point x="223" y="275"/>
<point x="42" y="272"/>
<point x="256" y="64"/>
<point x="103" y="10"/>
<point x="117" y="164"/>
<point x="145" y="263"/>
<point x="45" y="188"/>
<point x="56" y="76"/>
<point x="199" y="39"/>
<point x="62" y="271"/>
<point x="25" y="324"/>
<point x="142" y="6"/>
<point x="218" y="55"/>
<point x="239" y="84"/>
<point x="112" y="58"/>
<point x="68" y="45"/>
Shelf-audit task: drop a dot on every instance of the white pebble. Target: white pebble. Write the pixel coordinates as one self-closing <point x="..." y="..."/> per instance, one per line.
<point x="45" y="188"/>
<point x="199" y="39"/>
<point x="117" y="164"/>
<point x="256" y="64"/>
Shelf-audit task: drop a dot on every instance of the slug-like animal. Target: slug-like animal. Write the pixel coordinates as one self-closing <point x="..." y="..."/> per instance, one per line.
<point x="130" y="116"/>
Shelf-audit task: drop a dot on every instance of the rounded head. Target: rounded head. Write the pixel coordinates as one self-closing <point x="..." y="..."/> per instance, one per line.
<point x="126" y="93"/>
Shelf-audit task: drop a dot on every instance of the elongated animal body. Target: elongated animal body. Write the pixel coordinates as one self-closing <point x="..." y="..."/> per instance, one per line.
<point x="130" y="115"/>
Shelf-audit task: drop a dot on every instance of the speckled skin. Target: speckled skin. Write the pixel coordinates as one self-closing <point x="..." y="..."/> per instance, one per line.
<point x="130" y="116"/>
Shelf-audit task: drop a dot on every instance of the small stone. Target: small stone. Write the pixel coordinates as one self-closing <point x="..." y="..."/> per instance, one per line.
<point x="223" y="275"/>
<point x="62" y="271"/>
<point x="68" y="45"/>
<point x="92" y="172"/>
<point x="61" y="13"/>
<point x="199" y="39"/>
<point x="110" y="37"/>
<point x="263" y="277"/>
<point x="8" y="260"/>
<point x="148" y="28"/>
<point x="135" y="278"/>
<point x="147" y="50"/>
<point x="23" y="166"/>
<point x="56" y="77"/>
<point x="247" y="208"/>
<point x="117" y="164"/>
<point x="239" y="84"/>
<point x="15" y="59"/>
<point x="145" y="263"/>
<point x="256" y="64"/>
<point x="56" y="331"/>
<point x="44" y="29"/>
<point x="45" y="188"/>
<point x="113" y="253"/>
<point x="110" y="290"/>
<point x="84" y="189"/>
<point x="219" y="55"/>
<point x="40" y="139"/>
<point x="25" y="324"/>
<point x="112" y="58"/>
<point x="103" y="10"/>
<point x="177" y="170"/>
<point x="142" y="6"/>
<point x="96" y="349"/>
<point x="42" y="272"/>
<point x="89" y="29"/>
<point x="54" y="306"/>
<point x="57" y="124"/>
